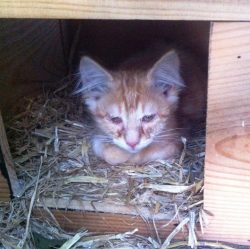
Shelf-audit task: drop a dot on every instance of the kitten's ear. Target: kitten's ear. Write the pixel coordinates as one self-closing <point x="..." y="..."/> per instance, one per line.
<point x="95" y="81"/>
<point x="165" y="73"/>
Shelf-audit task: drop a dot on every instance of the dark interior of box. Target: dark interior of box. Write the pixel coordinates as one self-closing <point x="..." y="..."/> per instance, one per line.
<point x="37" y="56"/>
<point x="40" y="54"/>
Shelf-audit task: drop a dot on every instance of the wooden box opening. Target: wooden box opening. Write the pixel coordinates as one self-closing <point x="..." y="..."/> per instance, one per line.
<point x="38" y="56"/>
<point x="41" y="53"/>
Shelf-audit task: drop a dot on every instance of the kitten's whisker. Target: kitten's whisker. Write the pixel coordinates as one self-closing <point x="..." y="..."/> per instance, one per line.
<point x="104" y="138"/>
<point x="105" y="141"/>
<point x="169" y="132"/>
<point x="168" y="135"/>
<point x="175" y="129"/>
<point x="167" y="139"/>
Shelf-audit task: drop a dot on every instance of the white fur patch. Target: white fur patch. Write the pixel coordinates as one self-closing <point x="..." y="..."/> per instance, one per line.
<point x="91" y="104"/>
<point x="132" y="136"/>
<point x="166" y="71"/>
<point x="95" y="82"/>
<point x="97" y="146"/>
<point x="113" y="111"/>
<point x="173" y="99"/>
<point x="150" y="109"/>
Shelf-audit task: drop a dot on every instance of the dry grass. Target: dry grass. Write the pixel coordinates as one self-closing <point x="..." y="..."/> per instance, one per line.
<point x="52" y="136"/>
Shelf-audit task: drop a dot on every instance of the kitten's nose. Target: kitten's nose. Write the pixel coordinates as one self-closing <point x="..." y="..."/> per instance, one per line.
<point x="132" y="144"/>
<point x="132" y="137"/>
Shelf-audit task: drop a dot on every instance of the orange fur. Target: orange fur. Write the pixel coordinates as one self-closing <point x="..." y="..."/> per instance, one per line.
<point x="138" y="114"/>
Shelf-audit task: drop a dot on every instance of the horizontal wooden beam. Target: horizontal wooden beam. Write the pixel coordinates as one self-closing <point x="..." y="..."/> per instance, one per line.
<point x="233" y="10"/>
<point x="107" y="206"/>
<point x="103" y="223"/>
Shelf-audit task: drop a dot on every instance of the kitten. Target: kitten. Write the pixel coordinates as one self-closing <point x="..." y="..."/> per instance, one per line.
<point x="140" y="107"/>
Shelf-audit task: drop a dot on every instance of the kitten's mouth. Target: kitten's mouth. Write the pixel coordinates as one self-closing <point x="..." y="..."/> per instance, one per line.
<point x="137" y="148"/>
<point x="129" y="149"/>
<point x="133" y="150"/>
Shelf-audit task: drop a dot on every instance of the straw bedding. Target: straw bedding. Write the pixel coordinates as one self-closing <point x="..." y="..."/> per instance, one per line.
<point x="50" y="138"/>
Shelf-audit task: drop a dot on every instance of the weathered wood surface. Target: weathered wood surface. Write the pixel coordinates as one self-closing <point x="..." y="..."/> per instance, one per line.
<point x="102" y="223"/>
<point x="31" y="57"/>
<point x="127" y="9"/>
<point x="4" y="145"/>
<point x="4" y="189"/>
<point x="227" y="169"/>
<point x="106" y="206"/>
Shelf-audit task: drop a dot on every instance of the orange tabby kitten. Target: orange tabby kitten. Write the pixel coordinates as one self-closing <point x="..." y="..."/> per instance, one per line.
<point x="140" y="107"/>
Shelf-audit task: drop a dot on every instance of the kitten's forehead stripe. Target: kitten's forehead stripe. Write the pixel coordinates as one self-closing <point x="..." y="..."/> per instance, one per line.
<point x="131" y="91"/>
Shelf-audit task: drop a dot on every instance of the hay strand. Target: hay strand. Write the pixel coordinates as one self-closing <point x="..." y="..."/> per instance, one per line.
<point x="32" y="202"/>
<point x="57" y="129"/>
<point x="69" y="243"/>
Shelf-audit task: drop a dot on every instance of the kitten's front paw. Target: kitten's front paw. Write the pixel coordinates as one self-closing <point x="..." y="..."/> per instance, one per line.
<point x="114" y="155"/>
<point x="110" y="153"/>
<point x="136" y="159"/>
<point x="155" y="152"/>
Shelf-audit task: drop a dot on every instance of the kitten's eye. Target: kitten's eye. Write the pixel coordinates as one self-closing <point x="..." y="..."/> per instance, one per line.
<point x="148" y="118"/>
<point x="166" y="90"/>
<point x="116" y="120"/>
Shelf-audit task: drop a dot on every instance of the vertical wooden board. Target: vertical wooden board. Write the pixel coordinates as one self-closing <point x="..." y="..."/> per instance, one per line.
<point x="4" y="186"/>
<point x="4" y="189"/>
<point x="32" y="56"/>
<point x="227" y="169"/>
<point x="4" y="146"/>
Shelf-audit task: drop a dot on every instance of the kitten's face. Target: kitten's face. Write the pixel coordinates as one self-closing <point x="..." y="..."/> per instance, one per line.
<point x="132" y="115"/>
<point x="133" y="109"/>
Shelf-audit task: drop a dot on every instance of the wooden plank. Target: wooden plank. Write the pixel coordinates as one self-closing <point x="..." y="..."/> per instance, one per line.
<point x="127" y="9"/>
<point x="4" y="187"/>
<point x="107" y="216"/>
<point x="106" y="206"/>
<point x="4" y="145"/>
<point x="109" y="223"/>
<point x="227" y="169"/>
<point x="100" y="222"/>
<point x="31" y="59"/>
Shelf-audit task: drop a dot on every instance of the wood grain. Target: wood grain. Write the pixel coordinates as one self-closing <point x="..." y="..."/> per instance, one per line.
<point x="101" y="222"/>
<point x="31" y="58"/>
<point x="4" y="145"/>
<point x="106" y="206"/>
<point x="128" y="9"/>
<point x="109" y="223"/>
<point x="227" y="169"/>
<point x="4" y="189"/>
